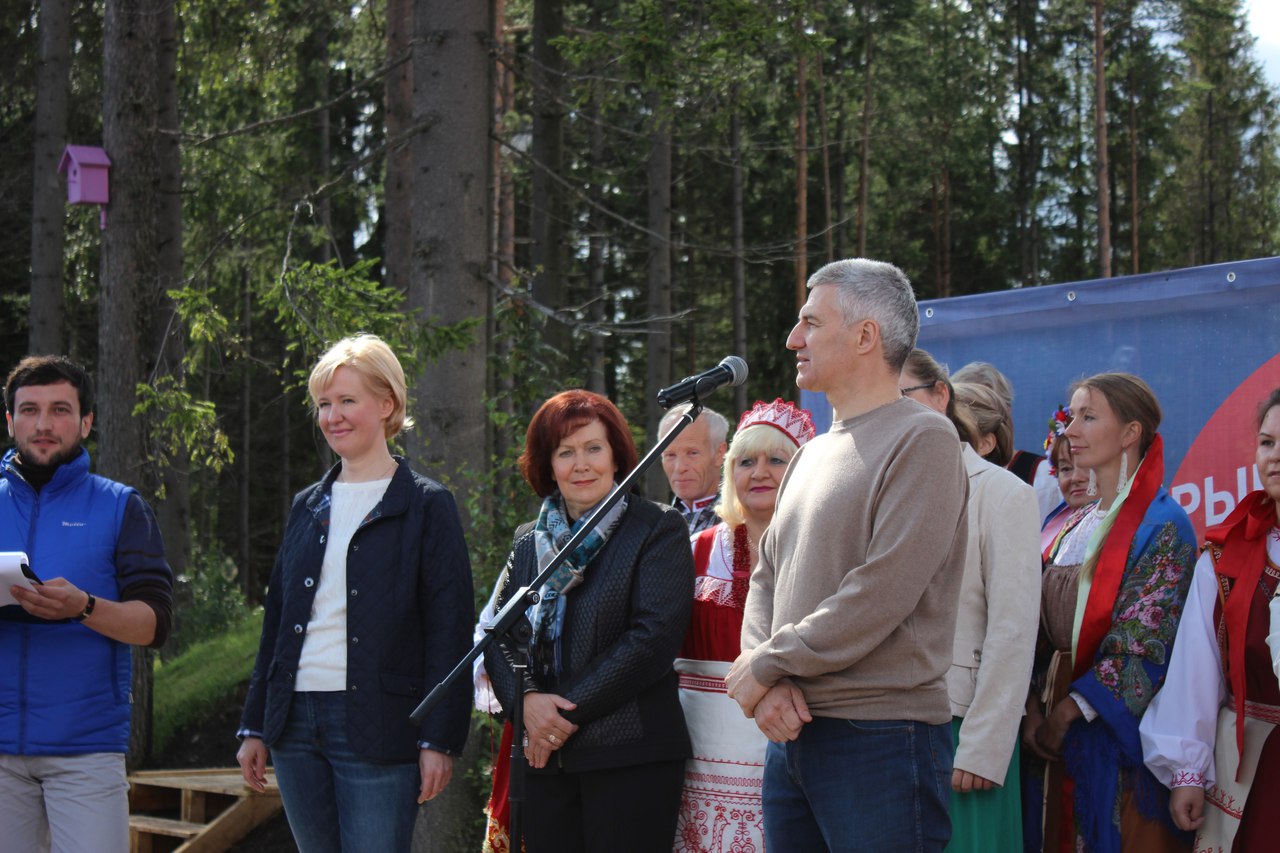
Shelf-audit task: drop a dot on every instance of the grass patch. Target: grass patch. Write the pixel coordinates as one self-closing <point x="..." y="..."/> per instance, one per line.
<point x="191" y="686"/>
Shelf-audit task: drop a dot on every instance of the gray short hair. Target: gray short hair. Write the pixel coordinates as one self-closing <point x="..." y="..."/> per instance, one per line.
<point x="878" y="291"/>
<point x="717" y="426"/>
<point x="986" y="373"/>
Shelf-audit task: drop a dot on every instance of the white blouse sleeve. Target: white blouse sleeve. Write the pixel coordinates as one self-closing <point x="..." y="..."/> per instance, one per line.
<point x="1273" y="638"/>
<point x="482" y="694"/>
<point x="1180" y="725"/>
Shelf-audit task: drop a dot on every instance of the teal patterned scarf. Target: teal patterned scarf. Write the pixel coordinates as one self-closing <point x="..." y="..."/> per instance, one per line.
<point x="550" y="535"/>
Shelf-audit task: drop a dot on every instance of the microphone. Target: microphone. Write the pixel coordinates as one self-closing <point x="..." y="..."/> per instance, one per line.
<point x="732" y="370"/>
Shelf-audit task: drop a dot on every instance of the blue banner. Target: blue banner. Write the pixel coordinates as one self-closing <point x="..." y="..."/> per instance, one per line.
<point x="1205" y="338"/>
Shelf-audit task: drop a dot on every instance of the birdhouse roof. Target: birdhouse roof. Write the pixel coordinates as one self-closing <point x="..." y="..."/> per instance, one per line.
<point x="85" y="155"/>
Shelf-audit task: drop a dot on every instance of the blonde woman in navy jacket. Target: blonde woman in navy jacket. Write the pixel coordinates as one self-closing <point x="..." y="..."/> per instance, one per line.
<point x="369" y="606"/>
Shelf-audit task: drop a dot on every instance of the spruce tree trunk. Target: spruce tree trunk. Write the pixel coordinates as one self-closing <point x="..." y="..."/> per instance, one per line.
<point x="739" y="256"/>
<point x="397" y="189"/>
<point x="1100" y="140"/>
<point x="658" y="369"/>
<point x="546" y="214"/>
<point x="167" y="338"/>
<point x="48" y="200"/>
<point x="129" y="269"/>
<point x="452" y="101"/>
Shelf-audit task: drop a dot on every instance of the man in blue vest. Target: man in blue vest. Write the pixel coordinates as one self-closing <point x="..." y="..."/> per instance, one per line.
<point x="65" y="676"/>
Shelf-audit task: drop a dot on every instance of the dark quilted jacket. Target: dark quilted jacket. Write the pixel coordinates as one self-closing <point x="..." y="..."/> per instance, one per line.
<point x="409" y="618"/>
<point x="623" y="628"/>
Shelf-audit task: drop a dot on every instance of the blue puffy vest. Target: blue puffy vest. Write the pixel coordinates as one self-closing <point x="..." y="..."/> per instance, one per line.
<point x="64" y="689"/>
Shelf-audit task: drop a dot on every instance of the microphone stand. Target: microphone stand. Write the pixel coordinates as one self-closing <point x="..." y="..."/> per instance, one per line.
<point x="511" y="628"/>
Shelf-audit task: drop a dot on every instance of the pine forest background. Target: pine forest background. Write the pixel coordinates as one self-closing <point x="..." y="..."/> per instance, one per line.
<point x="530" y="195"/>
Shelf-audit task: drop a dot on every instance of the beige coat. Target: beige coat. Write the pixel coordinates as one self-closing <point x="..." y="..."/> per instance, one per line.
<point x="999" y="614"/>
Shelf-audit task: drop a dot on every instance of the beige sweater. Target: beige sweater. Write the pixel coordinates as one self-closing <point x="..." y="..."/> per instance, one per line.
<point x="856" y="591"/>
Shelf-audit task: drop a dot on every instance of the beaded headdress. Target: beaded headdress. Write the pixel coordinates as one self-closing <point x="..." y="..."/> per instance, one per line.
<point x="1057" y="427"/>
<point x="795" y="423"/>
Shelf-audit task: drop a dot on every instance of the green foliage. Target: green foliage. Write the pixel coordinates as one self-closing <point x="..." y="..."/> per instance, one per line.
<point x="183" y="428"/>
<point x="316" y="304"/>
<point x="203" y="679"/>
<point x="209" y="599"/>
<point x="526" y="372"/>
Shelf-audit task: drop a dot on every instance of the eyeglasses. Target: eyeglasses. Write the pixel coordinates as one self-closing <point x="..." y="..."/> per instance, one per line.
<point x="928" y="386"/>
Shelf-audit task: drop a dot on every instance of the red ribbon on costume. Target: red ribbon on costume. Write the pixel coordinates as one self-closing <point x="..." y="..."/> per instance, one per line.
<point x="1243" y="540"/>
<point x="1115" y="553"/>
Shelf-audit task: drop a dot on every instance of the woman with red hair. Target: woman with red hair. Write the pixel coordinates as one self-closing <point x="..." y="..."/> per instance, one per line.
<point x="605" y="738"/>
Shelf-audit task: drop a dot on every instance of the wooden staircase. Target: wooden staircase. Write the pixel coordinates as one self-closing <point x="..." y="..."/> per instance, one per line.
<point x="195" y="811"/>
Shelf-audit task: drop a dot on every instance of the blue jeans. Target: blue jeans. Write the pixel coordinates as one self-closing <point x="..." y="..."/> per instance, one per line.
<point x="847" y="785"/>
<point x="334" y="799"/>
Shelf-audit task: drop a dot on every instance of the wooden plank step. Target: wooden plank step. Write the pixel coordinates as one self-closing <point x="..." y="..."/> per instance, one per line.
<point x="232" y="825"/>
<point x="164" y="826"/>
<point x="217" y="781"/>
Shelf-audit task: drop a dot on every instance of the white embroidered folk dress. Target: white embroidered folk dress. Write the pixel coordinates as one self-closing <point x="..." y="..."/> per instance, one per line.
<point x="720" y="806"/>
<point x="1189" y="730"/>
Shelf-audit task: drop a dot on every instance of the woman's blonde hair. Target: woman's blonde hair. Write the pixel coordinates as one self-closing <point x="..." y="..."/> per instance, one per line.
<point x="378" y="367"/>
<point x="751" y="441"/>
<point x="990" y="416"/>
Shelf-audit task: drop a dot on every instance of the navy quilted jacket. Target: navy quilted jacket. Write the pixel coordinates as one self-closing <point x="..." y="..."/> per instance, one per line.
<point x="623" y="629"/>
<point x="409" y="618"/>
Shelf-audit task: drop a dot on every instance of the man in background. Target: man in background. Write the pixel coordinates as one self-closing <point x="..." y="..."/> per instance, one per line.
<point x="65" y="682"/>
<point x="692" y="464"/>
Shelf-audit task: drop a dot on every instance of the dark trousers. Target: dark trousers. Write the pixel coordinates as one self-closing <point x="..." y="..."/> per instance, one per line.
<point x="622" y="810"/>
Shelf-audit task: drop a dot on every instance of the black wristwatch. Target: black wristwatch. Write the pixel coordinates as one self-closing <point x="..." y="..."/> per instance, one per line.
<point x="88" y="608"/>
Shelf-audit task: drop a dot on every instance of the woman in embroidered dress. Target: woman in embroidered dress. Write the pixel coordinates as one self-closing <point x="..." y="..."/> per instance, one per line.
<point x="1073" y="482"/>
<point x="605" y="739"/>
<point x="996" y="624"/>
<point x="1111" y="599"/>
<point x="369" y="602"/>
<point x="1221" y="756"/>
<point x="720" y="807"/>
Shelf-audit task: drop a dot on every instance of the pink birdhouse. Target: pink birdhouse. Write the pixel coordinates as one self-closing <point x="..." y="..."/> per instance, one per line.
<point x="86" y="168"/>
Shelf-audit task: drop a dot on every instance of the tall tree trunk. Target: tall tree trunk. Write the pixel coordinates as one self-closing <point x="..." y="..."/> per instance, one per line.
<point x="245" y="457"/>
<point x="318" y="90"/>
<point x="946" y="231"/>
<point x="167" y="341"/>
<point x="129" y="269"/>
<point x="451" y="98"/>
<point x="1135" y="220"/>
<point x="452" y="101"/>
<point x="802" y="173"/>
<point x="658" y="370"/>
<point x="1100" y="140"/>
<point x="48" y="203"/>
<point x="397" y="187"/>
<point x="596" y="379"/>
<point x="864" y="161"/>
<point x="1025" y="130"/>
<point x="739" y="253"/>
<point x="546" y="218"/>
<point x="828" y="226"/>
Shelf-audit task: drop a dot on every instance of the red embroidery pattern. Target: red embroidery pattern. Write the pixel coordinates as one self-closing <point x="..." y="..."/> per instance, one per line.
<point x="704" y="683"/>
<point x="712" y="824"/>
<point x="1259" y="711"/>
<point x="1210" y="848"/>
<point x="1187" y="778"/>
<point x="690" y="780"/>
<point x="1224" y="801"/>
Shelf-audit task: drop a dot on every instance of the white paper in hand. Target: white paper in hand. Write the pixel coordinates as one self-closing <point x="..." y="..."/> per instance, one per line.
<point x="15" y="570"/>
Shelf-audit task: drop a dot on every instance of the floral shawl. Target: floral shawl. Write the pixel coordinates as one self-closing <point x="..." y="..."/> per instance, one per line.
<point x="1104" y="757"/>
